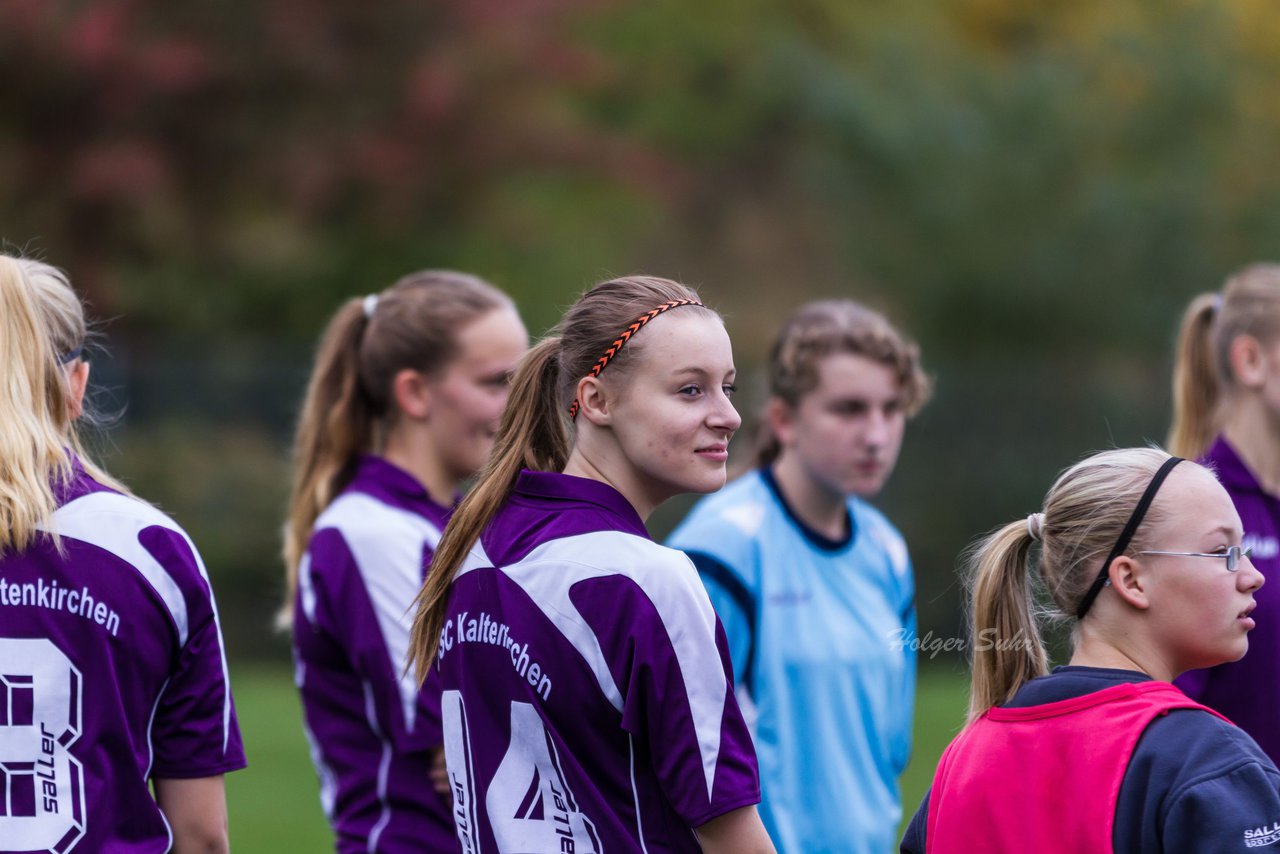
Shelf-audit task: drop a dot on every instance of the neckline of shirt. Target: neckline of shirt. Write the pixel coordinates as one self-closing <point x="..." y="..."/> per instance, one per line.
<point x="386" y="480"/>
<point x="567" y="487"/>
<point x="817" y="539"/>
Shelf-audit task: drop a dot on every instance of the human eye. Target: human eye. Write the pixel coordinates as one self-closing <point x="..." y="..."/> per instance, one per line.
<point x="729" y="389"/>
<point x="501" y="380"/>
<point x="690" y="390"/>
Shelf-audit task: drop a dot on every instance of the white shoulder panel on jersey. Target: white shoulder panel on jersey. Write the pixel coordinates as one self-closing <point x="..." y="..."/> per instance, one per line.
<point x="387" y="545"/>
<point x="113" y="522"/>
<point x="670" y="581"/>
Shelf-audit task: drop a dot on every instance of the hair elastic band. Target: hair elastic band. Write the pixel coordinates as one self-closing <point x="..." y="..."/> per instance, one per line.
<point x="1217" y="302"/>
<point x="70" y="356"/>
<point x="1035" y="526"/>
<point x="1126" y="535"/>
<point x="613" y="349"/>
<point x="370" y="305"/>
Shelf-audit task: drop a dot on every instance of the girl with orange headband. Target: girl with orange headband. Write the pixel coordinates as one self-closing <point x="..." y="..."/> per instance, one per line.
<point x="587" y="703"/>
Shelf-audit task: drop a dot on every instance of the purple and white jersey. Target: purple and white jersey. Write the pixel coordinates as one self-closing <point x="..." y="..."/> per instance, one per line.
<point x="371" y="729"/>
<point x="587" y="695"/>
<point x="112" y="672"/>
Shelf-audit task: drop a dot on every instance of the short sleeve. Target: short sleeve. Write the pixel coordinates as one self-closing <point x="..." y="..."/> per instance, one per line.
<point x="907" y="612"/>
<point x="720" y="540"/>
<point x="667" y="653"/>
<point x="736" y="608"/>
<point x="194" y="732"/>
<point x="725" y="532"/>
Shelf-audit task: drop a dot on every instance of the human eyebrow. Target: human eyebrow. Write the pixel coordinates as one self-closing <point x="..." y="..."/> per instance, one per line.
<point x="1228" y="531"/>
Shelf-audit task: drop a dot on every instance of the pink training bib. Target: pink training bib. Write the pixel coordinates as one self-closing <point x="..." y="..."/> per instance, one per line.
<point x="1043" y="778"/>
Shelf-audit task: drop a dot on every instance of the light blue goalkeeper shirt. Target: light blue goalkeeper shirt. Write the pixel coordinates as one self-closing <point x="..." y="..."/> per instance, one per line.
<point x="822" y="636"/>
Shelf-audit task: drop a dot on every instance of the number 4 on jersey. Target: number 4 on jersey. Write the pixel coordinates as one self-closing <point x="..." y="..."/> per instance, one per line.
<point x="528" y="803"/>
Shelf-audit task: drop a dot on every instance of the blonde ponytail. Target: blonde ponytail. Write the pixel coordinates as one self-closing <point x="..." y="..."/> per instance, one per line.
<point x="1196" y="379"/>
<point x="335" y="424"/>
<point x="1004" y="635"/>
<point x="532" y="435"/>
<point x="412" y="324"/>
<point x="42" y="323"/>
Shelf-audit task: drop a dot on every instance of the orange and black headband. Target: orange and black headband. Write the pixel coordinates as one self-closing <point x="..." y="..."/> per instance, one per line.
<point x="616" y="346"/>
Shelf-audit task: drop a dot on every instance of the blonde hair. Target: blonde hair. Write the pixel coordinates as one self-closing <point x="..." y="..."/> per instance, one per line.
<point x="1248" y="305"/>
<point x="1084" y="514"/>
<point x="41" y="322"/>
<point x="412" y="324"/>
<point x="820" y="329"/>
<point x="534" y="430"/>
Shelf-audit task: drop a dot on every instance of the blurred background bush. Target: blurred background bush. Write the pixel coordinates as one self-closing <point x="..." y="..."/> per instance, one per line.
<point x="1031" y="189"/>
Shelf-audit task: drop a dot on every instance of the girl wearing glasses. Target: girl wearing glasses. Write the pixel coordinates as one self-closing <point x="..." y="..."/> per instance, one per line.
<point x="587" y="703"/>
<point x="1226" y="392"/>
<point x="116" y="719"/>
<point x="1143" y="550"/>
<point x="402" y="407"/>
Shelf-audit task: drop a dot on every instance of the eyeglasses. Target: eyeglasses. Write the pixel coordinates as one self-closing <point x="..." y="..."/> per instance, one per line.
<point x="1232" y="555"/>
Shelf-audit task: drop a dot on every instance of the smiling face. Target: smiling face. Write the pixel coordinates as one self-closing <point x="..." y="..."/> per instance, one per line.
<point x="1199" y="612"/>
<point x="469" y="395"/>
<point x="847" y="431"/>
<point x="669" y="410"/>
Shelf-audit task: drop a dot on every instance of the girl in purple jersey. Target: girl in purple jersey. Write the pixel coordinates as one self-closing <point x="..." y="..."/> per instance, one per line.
<point x="587" y="696"/>
<point x="113" y="680"/>
<point x="403" y="405"/>
<point x="1227" y="413"/>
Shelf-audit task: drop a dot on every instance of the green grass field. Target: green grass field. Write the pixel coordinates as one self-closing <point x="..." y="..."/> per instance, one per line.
<point x="274" y="803"/>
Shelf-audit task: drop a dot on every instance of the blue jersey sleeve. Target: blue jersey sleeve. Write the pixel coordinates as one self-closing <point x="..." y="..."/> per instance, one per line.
<point x="717" y="537"/>
<point x="907" y="608"/>
<point x="735" y="605"/>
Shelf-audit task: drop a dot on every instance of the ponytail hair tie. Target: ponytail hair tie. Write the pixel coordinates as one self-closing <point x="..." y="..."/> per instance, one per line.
<point x="1035" y="526"/>
<point x="370" y="305"/>
<point x="1217" y="302"/>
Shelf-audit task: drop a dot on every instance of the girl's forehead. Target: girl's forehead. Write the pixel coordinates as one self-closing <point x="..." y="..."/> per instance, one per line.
<point x="1194" y="503"/>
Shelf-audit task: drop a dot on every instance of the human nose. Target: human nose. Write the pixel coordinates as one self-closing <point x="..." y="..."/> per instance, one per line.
<point x="876" y="430"/>
<point x="1250" y="576"/>
<point x="724" y="417"/>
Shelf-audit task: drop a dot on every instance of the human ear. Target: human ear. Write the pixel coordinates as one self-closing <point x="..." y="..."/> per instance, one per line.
<point x="1128" y="579"/>
<point x="411" y="393"/>
<point x="1248" y="364"/>
<point x="781" y="420"/>
<point x="593" y="401"/>
<point x="77" y="383"/>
